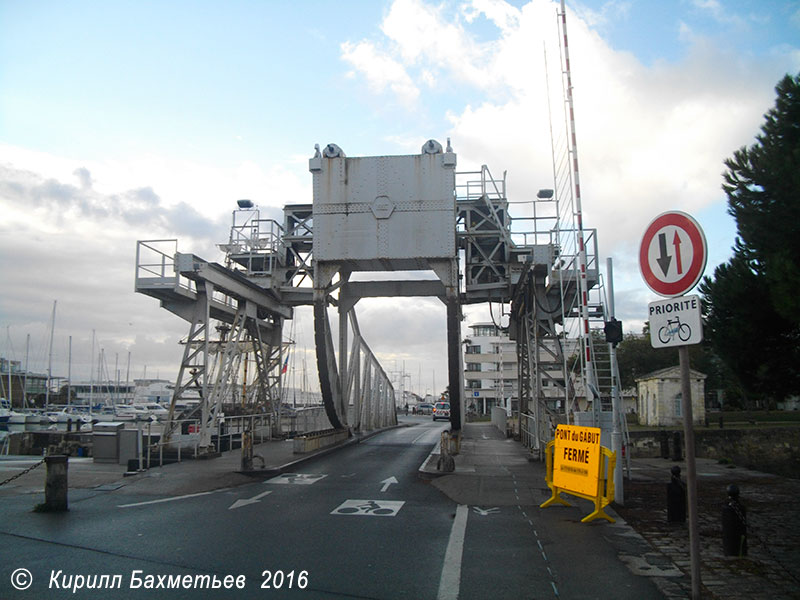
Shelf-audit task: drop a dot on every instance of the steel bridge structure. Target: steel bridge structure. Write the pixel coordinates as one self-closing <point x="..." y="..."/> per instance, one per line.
<point x="371" y="215"/>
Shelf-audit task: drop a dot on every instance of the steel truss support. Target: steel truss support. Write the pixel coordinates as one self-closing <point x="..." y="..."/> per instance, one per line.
<point x="211" y="369"/>
<point x="540" y="357"/>
<point x="194" y="364"/>
<point x="250" y="319"/>
<point x="358" y="382"/>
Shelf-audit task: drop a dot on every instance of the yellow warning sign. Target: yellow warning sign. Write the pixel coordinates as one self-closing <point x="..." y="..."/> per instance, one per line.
<point x="576" y="465"/>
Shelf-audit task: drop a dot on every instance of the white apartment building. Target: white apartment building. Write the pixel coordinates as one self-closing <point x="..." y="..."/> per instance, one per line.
<point x="490" y="369"/>
<point x="491" y="374"/>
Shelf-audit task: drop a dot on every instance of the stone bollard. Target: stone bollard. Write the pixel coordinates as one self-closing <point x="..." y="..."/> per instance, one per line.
<point x="676" y="498"/>
<point x="446" y="461"/>
<point x="55" y="487"/>
<point x="247" y="451"/>
<point x="677" y="451"/>
<point x="734" y="524"/>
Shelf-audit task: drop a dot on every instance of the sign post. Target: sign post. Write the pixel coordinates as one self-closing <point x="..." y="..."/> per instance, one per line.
<point x="672" y="258"/>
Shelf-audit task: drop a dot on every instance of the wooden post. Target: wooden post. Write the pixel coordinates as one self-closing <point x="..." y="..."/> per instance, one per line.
<point x="691" y="471"/>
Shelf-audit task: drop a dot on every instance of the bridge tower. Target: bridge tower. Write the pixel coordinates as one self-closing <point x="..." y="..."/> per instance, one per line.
<point x="375" y="214"/>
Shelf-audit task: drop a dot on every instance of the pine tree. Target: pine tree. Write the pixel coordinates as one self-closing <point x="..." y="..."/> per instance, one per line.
<point x="752" y="304"/>
<point x="763" y="188"/>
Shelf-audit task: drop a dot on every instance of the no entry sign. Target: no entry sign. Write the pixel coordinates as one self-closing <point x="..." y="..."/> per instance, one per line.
<point x="673" y="253"/>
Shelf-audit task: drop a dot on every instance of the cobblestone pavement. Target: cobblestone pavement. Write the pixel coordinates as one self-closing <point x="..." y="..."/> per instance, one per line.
<point x="771" y="568"/>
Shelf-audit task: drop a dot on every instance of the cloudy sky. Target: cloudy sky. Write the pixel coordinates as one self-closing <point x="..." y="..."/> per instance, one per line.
<point x="125" y="121"/>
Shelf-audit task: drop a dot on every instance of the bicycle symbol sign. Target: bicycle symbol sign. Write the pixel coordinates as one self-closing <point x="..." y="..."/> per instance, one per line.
<point x="675" y="322"/>
<point x="674" y="327"/>
<point x="369" y="508"/>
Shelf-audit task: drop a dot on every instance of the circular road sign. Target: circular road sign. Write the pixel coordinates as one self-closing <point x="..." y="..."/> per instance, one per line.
<point x="673" y="253"/>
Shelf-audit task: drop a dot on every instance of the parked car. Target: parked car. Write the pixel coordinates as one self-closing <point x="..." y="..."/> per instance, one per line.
<point x="424" y="408"/>
<point x="441" y="410"/>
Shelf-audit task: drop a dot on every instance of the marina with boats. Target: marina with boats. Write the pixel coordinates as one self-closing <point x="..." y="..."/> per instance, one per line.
<point x="39" y="414"/>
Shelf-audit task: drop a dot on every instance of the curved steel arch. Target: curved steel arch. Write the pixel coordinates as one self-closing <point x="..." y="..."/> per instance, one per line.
<point x="365" y="384"/>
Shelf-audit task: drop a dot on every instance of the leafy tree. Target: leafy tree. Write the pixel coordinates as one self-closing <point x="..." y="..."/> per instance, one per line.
<point x="637" y="357"/>
<point x="751" y="305"/>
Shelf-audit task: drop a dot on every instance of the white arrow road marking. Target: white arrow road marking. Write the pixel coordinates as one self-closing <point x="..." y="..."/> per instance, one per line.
<point x="387" y="482"/>
<point x="246" y="501"/>
<point x="485" y="511"/>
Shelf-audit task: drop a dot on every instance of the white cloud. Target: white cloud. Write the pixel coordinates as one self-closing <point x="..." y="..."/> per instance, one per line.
<point x="382" y="72"/>
<point x="502" y="14"/>
<point x="721" y="14"/>
<point x="424" y="42"/>
<point x="650" y="137"/>
<point x="72" y="226"/>
<point x="613" y="10"/>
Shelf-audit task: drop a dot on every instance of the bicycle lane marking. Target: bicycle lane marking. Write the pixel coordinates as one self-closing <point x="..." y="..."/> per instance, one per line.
<point x="369" y="508"/>
<point x="450" y="581"/>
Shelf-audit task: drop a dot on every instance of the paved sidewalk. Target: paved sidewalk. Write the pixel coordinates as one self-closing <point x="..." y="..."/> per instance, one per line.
<point x="771" y="568"/>
<point x="493" y="470"/>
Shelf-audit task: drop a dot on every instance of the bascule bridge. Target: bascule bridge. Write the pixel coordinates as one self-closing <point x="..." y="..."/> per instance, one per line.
<point x="378" y="214"/>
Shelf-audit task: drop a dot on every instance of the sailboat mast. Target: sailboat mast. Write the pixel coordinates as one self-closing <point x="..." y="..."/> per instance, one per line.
<point x="8" y="364"/>
<point x="25" y="381"/>
<point x="69" y="373"/>
<point x="50" y="358"/>
<point x="116" y="375"/>
<point x="91" y="374"/>
<point x="304" y="392"/>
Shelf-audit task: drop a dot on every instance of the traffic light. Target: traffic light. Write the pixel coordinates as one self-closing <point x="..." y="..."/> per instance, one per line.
<point x="613" y="331"/>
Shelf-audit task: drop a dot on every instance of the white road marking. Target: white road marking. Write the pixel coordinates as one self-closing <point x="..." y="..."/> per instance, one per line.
<point x="246" y="501"/>
<point x="387" y="482"/>
<point x="451" y="571"/>
<point x="296" y="478"/>
<point x="485" y="511"/>
<point x="420" y="436"/>
<point x="369" y="508"/>
<point x="170" y="499"/>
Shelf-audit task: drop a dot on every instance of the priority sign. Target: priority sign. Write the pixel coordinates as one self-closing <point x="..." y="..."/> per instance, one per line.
<point x="673" y="254"/>
<point x="675" y="322"/>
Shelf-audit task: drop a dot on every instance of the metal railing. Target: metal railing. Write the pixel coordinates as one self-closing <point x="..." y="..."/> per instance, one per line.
<point x="187" y="445"/>
<point x="155" y="264"/>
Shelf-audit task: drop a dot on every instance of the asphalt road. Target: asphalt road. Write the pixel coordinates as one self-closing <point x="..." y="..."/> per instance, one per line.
<point x="356" y="523"/>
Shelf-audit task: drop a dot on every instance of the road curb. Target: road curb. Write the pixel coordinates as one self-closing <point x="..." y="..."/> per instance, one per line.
<point x="428" y="472"/>
<point x="325" y="451"/>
